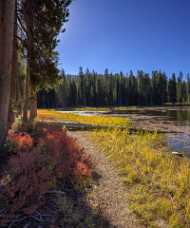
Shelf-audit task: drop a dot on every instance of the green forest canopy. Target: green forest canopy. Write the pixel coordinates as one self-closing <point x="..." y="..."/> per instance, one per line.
<point x="90" y="88"/>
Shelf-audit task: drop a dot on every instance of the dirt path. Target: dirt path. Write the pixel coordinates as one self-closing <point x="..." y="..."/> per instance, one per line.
<point x="110" y="195"/>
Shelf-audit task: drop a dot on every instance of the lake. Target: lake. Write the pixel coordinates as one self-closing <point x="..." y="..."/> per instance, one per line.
<point x="173" y="121"/>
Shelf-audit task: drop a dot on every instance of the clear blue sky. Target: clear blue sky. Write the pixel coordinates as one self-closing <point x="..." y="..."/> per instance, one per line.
<point x="127" y="35"/>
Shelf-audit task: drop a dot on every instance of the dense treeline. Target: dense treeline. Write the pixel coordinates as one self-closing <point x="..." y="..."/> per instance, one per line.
<point x="93" y="89"/>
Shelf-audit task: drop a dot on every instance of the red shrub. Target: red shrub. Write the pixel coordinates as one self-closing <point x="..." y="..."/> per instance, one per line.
<point x="30" y="180"/>
<point x="82" y="169"/>
<point x="66" y="152"/>
<point x="22" y="141"/>
<point x="56" y="156"/>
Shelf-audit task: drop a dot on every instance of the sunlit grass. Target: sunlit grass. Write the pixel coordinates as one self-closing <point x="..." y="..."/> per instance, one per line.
<point x="158" y="183"/>
<point x="93" y="120"/>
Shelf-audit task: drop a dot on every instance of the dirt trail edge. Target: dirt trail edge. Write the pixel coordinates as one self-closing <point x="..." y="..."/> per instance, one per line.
<point x="110" y="194"/>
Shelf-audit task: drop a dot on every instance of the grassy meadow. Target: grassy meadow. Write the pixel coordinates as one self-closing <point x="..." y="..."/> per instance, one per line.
<point x="92" y="120"/>
<point x="158" y="183"/>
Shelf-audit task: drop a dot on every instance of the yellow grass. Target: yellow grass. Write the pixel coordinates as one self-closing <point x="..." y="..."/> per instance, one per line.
<point x="93" y="120"/>
<point x="158" y="183"/>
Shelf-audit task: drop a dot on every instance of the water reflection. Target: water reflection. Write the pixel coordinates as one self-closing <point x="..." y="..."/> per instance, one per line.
<point x="170" y="119"/>
<point x="179" y="143"/>
<point x="178" y="114"/>
<point x="165" y="117"/>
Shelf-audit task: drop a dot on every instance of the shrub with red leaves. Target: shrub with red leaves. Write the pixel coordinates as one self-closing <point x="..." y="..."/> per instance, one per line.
<point x="65" y="154"/>
<point x="22" y="141"/>
<point x="35" y="170"/>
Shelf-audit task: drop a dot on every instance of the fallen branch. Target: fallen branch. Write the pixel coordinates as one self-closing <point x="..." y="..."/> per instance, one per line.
<point x="55" y="192"/>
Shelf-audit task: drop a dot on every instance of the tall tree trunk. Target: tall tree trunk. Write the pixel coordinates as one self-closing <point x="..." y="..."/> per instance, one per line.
<point x="19" y="91"/>
<point x="26" y="97"/>
<point x="13" y="100"/>
<point x="7" y="18"/>
<point x="29" y="23"/>
<point x="33" y="107"/>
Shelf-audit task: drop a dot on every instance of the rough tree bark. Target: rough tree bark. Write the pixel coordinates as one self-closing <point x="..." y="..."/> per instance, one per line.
<point x="33" y="107"/>
<point x="7" y="18"/>
<point x="13" y="98"/>
<point x="26" y="98"/>
<point x="28" y="16"/>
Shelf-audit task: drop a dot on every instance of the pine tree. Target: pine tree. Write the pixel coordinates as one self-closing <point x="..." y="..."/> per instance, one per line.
<point x="172" y="89"/>
<point x="7" y="23"/>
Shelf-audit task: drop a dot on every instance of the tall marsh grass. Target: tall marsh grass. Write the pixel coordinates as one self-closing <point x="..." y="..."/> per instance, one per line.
<point x="158" y="183"/>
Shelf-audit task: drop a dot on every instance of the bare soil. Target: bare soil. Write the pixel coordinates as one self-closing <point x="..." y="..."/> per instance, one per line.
<point x="109" y="196"/>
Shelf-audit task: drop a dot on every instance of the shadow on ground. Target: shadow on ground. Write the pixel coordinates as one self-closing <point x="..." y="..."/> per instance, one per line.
<point x="75" y="211"/>
<point x="74" y="207"/>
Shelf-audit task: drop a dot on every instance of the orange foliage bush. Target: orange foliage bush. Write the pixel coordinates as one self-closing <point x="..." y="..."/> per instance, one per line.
<point x="38" y="165"/>
<point x="66" y="153"/>
<point x="22" y="141"/>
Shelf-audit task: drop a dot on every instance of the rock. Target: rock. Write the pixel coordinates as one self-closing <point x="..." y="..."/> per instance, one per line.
<point x="178" y="154"/>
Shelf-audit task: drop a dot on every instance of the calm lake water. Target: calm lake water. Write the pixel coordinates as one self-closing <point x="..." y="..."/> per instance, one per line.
<point x="171" y="119"/>
<point x="174" y="121"/>
<point x="180" y="115"/>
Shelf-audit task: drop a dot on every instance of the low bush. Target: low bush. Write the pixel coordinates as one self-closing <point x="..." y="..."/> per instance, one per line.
<point x="36" y="168"/>
<point x="21" y="141"/>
